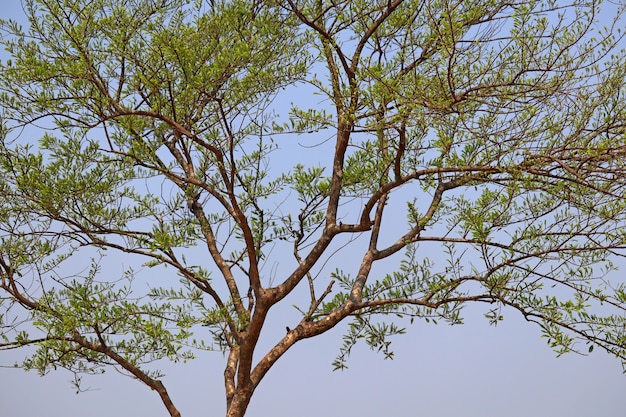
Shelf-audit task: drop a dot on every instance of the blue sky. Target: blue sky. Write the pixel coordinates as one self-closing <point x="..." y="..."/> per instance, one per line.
<point x="474" y="370"/>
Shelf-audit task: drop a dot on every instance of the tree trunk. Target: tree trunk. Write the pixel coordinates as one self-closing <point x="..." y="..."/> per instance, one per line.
<point x="239" y="403"/>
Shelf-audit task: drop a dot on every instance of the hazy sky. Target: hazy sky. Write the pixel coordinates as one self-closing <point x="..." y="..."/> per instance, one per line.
<point x="473" y="370"/>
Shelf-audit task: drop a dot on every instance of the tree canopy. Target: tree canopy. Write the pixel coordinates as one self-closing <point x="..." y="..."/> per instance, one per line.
<point x="238" y="155"/>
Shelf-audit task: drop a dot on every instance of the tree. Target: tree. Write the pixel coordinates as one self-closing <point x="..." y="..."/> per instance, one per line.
<point x="156" y="130"/>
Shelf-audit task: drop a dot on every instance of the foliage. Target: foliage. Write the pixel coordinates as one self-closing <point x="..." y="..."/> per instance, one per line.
<point x="155" y="134"/>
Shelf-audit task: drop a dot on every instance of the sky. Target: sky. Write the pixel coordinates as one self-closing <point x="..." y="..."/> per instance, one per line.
<point x="472" y="370"/>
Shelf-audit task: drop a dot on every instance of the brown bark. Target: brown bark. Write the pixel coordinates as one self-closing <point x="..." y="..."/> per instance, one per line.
<point x="239" y="403"/>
